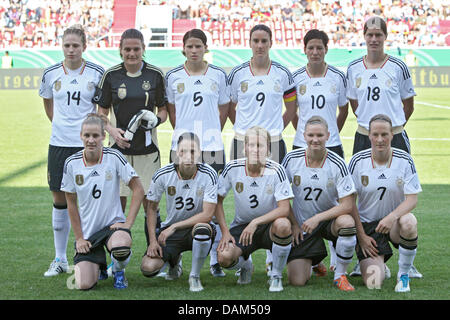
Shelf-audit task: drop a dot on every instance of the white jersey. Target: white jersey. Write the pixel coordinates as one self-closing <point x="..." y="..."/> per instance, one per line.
<point x="184" y="198"/>
<point x="260" y="98"/>
<point x="382" y="189"/>
<point x="379" y="90"/>
<point x="320" y="97"/>
<point x="196" y="99"/>
<point x="72" y="92"/>
<point x="316" y="189"/>
<point x="97" y="188"/>
<point x="254" y="196"/>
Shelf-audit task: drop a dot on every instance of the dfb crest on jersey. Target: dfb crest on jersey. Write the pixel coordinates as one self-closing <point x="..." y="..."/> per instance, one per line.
<point x="297" y="180"/>
<point x="180" y="87"/>
<point x="79" y="179"/>
<point x="57" y="85"/>
<point x="358" y="82"/>
<point x="244" y="87"/>
<point x="171" y="190"/>
<point x="239" y="187"/>
<point x="146" y="85"/>
<point x="122" y="91"/>
<point x="365" y="180"/>
<point x="90" y="85"/>
<point x="302" y="89"/>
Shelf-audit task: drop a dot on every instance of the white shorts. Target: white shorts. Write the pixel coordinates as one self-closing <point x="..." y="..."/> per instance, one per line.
<point x="145" y="166"/>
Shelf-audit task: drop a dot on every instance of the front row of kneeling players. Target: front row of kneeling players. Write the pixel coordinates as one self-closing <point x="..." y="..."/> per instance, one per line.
<point x="382" y="179"/>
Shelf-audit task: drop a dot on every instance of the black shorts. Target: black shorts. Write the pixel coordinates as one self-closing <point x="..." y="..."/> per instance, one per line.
<point x="336" y="149"/>
<point x="97" y="252"/>
<point x="216" y="159"/>
<point x="261" y="238"/>
<point x="277" y="150"/>
<point x="178" y="242"/>
<point x="55" y="164"/>
<point x="399" y="141"/>
<point x="383" y="246"/>
<point x="312" y="246"/>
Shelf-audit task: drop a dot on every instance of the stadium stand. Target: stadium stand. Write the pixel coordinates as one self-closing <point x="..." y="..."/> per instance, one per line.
<point x="417" y="23"/>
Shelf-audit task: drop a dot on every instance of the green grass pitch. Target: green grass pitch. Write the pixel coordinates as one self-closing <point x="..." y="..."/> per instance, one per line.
<point x="26" y="240"/>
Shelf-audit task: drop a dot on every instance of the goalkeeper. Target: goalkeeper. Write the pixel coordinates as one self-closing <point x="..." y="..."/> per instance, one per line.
<point x="135" y="90"/>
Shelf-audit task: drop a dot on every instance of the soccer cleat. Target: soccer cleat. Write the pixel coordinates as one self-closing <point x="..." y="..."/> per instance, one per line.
<point x="343" y="284"/>
<point x="176" y="271"/>
<point x="245" y="276"/>
<point x="276" y="284"/>
<point x="403" y="284"/>
<point x="414" y="273"/>
<point x="320" y="270"/>
<point x="120" y="282"/>
<point x="56" y="267"/>
<point x="269" y="269"/>
<point x="216" y="270"/>
<point x="356" y="271"/>
<point x="103" y="275"/>
<point x="194" y="284"/>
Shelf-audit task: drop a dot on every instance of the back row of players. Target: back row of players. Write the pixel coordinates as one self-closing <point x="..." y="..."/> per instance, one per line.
<point x="199" y="97"/>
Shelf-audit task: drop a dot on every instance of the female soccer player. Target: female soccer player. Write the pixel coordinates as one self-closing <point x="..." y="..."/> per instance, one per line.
<point x="258" y="89"/>
<point x="387" y="185"/>
<point x="67" y="89"/>
<point x="323" y="199"/>
<point x="261" y="198"/>
<point x="379" y="83"/>
<point x="199" y="97"/>
<point x="321" y="89"/>
<point x="190" y="188"/>
<point x="91" y="178"/>
<point x="129" y="88"/>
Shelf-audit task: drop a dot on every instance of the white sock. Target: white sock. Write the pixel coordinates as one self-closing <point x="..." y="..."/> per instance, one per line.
<point x="345" y="246"/>
<point x="405" y="260"/>
<point x="242" y="263"/>
<point x="280" y="255"/>
<point x="332" y="253"/>
<point x="269" y="258"/>
<point x="213" y="253"/>
<point x="200" y="250"/>
<point x="120" y="265"/>
<point x="61" y="231"/>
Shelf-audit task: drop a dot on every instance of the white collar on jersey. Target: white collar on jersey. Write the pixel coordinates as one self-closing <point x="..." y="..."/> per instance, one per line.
<point x="137" y="74"/>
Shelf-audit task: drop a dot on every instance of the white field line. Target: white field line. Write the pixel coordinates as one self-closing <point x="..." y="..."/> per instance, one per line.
<point x="432" y="105"/>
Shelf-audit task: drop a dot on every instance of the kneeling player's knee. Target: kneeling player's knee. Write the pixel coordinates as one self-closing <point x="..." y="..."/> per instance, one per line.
<point x="121" y="253"/>
<point x="202" y="232"/>
<point x="85" y="283"/>
<point x="345" y="221"/>
<point x="151" y="267"/>
<point x="281" y="227"/>
<point x="408" y="225"/>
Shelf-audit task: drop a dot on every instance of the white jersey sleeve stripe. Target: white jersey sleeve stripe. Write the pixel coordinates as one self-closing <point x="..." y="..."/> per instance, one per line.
<point x="209" y="171"/>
